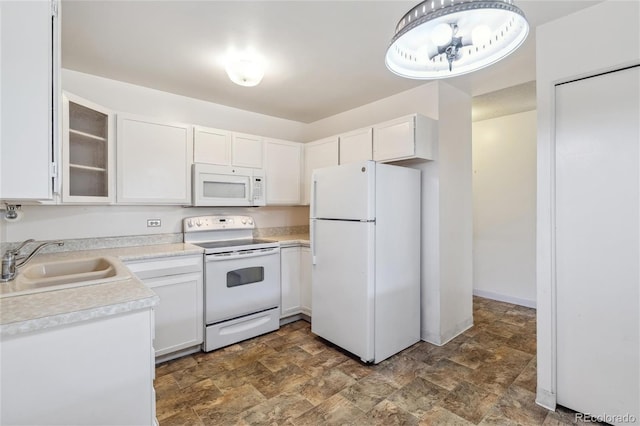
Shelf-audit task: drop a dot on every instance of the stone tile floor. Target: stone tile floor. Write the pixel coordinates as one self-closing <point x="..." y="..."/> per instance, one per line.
<point x="485" y="376"/>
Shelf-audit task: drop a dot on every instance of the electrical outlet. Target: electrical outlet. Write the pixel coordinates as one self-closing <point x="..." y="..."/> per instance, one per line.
<point x="152" y="223"/>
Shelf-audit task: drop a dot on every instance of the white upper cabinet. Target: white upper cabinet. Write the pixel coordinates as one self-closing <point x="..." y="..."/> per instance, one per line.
<point x="405" y="138"/>
<point x="282" y="161"/>
<point x="318" y="154"/>
<point x="29" y="57"/>
<point x="87" y="152"/>
<point x="212" y="146"/>
<point x="246" y="150"/>
<point x="356" y="146"/>
<point x="154" y="161"/>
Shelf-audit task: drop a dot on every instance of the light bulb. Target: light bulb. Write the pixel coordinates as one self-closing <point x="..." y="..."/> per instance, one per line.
<point x="244" y="70"/>
<point x="480" y="35"/>
<point x="441" y="34"/>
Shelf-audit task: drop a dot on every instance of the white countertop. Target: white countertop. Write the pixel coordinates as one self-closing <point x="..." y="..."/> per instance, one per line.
<point x="290" y="240"/>
<point x="38" y="311"/>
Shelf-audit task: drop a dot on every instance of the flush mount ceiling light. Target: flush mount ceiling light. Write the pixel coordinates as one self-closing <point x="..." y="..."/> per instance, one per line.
<point x="447" y="38"/>
<point x="245" y="69"/>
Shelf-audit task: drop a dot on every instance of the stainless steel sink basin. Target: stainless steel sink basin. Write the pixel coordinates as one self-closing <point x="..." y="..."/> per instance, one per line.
<point x="63" y="274"/>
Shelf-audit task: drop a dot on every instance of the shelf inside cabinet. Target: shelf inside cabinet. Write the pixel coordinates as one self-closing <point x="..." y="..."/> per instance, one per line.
<point x="87" y="135"/>
<point x="88" y="168"/>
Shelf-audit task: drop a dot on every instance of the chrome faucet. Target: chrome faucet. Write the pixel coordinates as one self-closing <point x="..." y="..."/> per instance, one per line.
<point x="11" y="260"/>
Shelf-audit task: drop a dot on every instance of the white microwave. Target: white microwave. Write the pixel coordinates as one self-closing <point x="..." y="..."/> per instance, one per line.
<point x="227" y="186"/>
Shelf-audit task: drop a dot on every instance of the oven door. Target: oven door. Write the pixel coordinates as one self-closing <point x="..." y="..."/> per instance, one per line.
<point x="241" y="283"/>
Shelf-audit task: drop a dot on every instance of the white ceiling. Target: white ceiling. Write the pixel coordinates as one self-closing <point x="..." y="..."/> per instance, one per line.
<point x="323" y="57"/>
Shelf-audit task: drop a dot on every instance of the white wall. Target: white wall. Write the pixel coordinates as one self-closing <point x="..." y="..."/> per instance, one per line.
<point x="559" y="59"/>
<point x="504" y="208"/>
<point x="125" y="97"/>
<point x="53" y="222"/>
<point x="456" y="213"/>
<point x="422" y="99"/>
<point x="446" y="199"/>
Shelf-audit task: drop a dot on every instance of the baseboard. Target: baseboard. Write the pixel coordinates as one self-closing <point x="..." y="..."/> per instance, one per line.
<point x="444" y="338"/>
<point x="504" y="298"/>
<point x="294" y="318"/>
<point x="546" y="399"/>
<point x="178" y="354"/>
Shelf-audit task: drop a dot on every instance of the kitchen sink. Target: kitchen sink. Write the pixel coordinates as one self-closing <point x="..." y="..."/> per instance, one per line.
<point x="63" y="274"/>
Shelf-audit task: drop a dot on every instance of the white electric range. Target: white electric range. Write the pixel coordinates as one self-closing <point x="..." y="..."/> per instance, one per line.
<point x="241" y="278"/>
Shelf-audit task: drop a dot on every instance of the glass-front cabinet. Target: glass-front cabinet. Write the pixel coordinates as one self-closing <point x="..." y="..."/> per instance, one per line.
<point x="87" y="152"/>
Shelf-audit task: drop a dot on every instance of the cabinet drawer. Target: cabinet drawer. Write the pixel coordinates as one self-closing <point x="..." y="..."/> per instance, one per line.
<point x="165" y="266"/>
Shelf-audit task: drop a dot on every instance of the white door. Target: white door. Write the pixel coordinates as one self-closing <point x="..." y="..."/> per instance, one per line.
<point x="344" y="192"/>
<point x="289" y="281"/>
<point x="342" y="284"/>
<point x="178" y="317"/>
<point x="153" y="161"/>
<point x="211" y="146"/>
<point x="597" y="243"/>
<point x="318" y="154"/>
<point x="282" y="163"/>
<point x="356" y="146"/>
<point x="26" y="127"/>
<point x="246" y="150"/>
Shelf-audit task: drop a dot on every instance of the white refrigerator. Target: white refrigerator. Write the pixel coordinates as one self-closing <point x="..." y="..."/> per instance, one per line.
<point x="365" y="248"/>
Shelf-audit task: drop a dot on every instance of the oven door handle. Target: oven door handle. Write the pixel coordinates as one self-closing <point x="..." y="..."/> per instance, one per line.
<point x="220" y="257"/>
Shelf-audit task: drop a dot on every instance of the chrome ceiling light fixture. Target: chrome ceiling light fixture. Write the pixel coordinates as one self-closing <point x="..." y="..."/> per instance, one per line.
<point x="447" y="38"/>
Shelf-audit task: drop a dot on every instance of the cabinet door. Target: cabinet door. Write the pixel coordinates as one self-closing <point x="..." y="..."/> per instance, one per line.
<point x="246" y="150"/>
<point x="282" y="171"/>
<point x="410" y="137"/>
<point x="87" y="151"/>
<point x="305" y="280"/>
<point x="356" y="146"/>
<point x="318" y="154"/>
<point x="211" y="146"/>
<point x="26" y="104"/>
<point x="59" y="376"/>
<point x="154" y="161"/>
<point x="179" y="316"/>
<point x="289" y="281"/>
<point x="394" y="139"/>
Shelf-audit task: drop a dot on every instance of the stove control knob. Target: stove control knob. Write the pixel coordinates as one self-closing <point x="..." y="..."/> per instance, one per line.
<point x="244" y="221"/>
<point x="250" y="221"/>
<point x="198" y="223"/>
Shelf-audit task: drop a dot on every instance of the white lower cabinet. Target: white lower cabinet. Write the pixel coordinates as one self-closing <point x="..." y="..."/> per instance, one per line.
<point x="305" y="280"/>
<point x="94" y="372"/>
<point x="295" y="278"/>
<point x="179" y="322"/>
<point x="290" y="281"/>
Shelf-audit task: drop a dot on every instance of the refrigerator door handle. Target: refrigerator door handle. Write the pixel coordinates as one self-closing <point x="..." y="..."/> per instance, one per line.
<point x="312" y="202"/>
<point x="312" y="232"/>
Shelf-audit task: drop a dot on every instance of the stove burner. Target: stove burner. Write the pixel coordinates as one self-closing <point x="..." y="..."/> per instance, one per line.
<point x="232" y="243"/>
